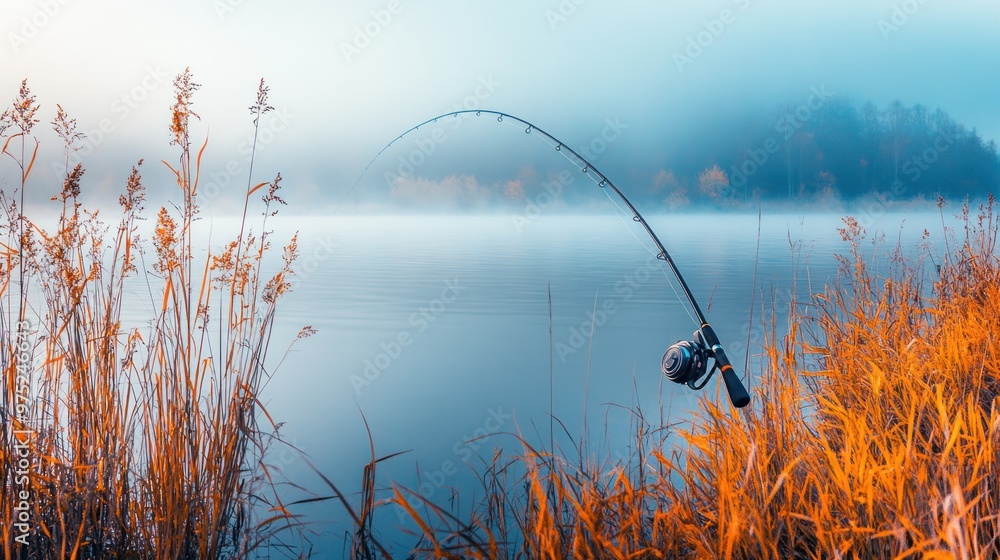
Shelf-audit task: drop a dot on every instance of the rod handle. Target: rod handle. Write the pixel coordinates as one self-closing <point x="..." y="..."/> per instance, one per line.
<point x="737" y="392"/>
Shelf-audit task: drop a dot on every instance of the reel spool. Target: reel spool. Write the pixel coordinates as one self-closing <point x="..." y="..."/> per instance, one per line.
<point x="686" y="362"/>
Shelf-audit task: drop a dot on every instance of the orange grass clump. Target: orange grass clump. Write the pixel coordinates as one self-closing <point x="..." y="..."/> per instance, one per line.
<point x="132" y="442"/>
<point x="874" y="433"/>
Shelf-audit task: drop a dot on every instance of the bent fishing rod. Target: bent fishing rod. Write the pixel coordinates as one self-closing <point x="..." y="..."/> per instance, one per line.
<point x="685" y="362"/>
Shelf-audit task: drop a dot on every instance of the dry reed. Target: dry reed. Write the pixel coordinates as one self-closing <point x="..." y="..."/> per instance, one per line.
<point x="127" y="442"/>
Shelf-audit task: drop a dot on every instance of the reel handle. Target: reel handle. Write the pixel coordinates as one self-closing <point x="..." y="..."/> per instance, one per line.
<point x="737" y="392"/>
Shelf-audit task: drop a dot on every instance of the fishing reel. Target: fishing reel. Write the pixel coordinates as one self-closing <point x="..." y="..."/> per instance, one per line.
<point x="686" y="362"/>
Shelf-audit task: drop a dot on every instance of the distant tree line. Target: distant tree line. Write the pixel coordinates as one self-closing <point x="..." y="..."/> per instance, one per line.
<point x="830" y="149"/>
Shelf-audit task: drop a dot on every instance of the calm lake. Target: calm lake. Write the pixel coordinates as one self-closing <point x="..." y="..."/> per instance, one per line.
<point x="436" y="330"/>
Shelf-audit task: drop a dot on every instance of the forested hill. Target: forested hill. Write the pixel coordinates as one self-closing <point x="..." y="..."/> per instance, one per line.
<point x="831" y="149"/>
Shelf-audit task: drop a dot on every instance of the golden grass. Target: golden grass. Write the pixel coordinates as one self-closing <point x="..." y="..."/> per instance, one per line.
<point x="874" y="433"/>
<point x="140" y="442"/>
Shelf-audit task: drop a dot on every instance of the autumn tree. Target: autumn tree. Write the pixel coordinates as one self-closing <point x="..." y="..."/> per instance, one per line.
<point x="715" y="183"/>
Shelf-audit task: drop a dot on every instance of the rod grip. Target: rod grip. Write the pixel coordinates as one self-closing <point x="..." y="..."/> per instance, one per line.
<point x="737" y="392"/>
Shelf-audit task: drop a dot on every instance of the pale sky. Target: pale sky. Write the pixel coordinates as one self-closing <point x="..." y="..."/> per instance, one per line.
<point x="347" y="77"/>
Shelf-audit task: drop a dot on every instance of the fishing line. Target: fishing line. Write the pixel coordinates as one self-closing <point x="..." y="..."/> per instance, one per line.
<point x="620" y="215"/>
<point x="588" y="169"/>
<point x="684" y="362"/>
<point x="753" y="290"/>
<point x="670" y="282"/>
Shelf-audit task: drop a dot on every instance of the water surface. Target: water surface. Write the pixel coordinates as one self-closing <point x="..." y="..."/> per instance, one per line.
<point x="437" y="331"/>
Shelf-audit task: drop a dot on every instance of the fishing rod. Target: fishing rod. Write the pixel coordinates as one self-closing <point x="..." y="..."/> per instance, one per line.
<point x="685" y="362"/>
